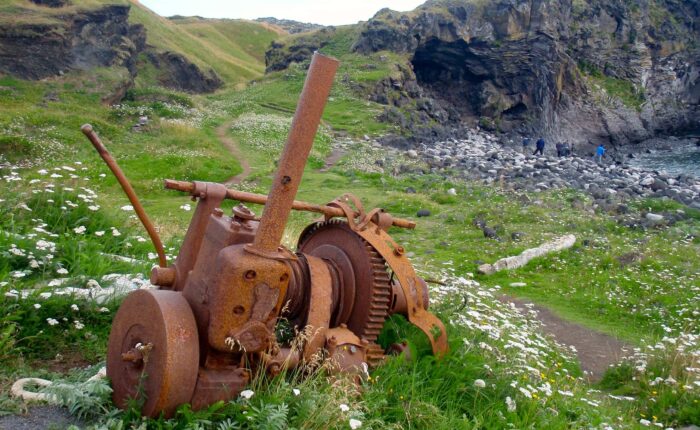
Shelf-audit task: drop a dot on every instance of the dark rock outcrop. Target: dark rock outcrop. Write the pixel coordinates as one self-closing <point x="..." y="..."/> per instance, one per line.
<point x="92" y="38"/>
<point x="297" y="50"/>
<point x="587" y="71"/>
<point x="96" y="38"/>
<point x="176" y="72"/>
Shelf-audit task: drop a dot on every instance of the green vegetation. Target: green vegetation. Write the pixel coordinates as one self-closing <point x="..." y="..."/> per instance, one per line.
<point x="63" y="219"/>
<point x="234" y="49"/>
<point x="627" y="92"/>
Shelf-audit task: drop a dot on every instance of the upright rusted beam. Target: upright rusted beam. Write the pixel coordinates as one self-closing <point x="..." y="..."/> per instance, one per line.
<point x="313" y="98"/>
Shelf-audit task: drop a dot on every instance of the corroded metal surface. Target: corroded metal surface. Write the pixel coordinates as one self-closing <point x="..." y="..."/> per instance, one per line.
<point x="291" y="165"/>
<point x="232" y="286"/>
<point x="365" y="293"/>
<point x="153" y="355"/>
<point x="297" y="205"/>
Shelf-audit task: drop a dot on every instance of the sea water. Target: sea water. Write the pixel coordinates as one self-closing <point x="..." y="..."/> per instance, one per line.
<point x="681" y="159"/>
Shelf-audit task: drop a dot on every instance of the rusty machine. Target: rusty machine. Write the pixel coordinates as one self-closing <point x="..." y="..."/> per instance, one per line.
<point x="199" y="337"/>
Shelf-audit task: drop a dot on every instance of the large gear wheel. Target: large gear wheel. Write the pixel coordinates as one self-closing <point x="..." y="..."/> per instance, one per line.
<point x="364" y="299"/>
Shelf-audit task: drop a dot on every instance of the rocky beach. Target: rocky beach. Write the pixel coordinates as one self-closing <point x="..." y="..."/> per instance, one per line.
<point x="480" y="155"/>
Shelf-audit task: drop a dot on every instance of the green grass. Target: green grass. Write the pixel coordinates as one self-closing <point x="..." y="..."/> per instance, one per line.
<point x="651" y="298"/>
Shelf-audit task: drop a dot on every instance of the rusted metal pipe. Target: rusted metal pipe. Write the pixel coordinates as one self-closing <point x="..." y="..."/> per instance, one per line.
<point x="261" y="199"/>
<point x="279" y="203"/>
<point x="130" y="194"/>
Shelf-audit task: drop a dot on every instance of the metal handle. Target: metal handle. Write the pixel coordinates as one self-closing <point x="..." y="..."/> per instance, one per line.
<point x="130" y="194"/>
<point x="279" y="203"/>
<point x="261" y="199"/>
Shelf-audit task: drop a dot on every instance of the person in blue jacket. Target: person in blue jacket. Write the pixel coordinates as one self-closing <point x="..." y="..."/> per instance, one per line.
<point x="599" y="153"/>
<point x="539" y="147"/>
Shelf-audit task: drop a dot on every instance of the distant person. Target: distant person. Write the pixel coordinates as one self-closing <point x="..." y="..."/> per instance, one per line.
<point x="526" y="143"/>
<point x="599" y="153"/>
<point x="560" y="149"/>
<point x="539" y="147"/>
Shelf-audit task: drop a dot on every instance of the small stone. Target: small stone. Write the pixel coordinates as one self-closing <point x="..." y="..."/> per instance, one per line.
<point x="410" y="190"/>
<point x="412" y="153"/>
<point x="423" y="213"/>
<point x="518" y="284"/>
<point x="452" y="192"/>
<point x="654" y="217"/>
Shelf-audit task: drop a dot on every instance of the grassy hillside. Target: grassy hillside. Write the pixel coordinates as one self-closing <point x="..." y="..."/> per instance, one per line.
<point x="235" y="49"/>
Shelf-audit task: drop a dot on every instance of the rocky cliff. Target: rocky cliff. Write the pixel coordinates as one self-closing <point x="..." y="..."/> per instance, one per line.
<point x="588" y="71"/>
<point x="82" y="39"/>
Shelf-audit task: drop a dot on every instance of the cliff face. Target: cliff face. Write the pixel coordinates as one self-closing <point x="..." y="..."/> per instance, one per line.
<point x="101" y="37"/>
<point x="592" y="71"/>
<point x="86" y="39"/>
<point x="600" y="71"/>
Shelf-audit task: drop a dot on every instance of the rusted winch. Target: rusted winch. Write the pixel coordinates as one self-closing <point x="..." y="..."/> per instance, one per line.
<point x="198" y="338"/>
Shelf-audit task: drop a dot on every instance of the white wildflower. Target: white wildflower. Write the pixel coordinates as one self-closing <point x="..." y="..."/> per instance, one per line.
<point x="510" y="404"/>
<point x="247" y="394"/>
<point x="115" y="232"/>
<point x="78" y="325"/>
<point x="51" y="321"/>
<point x="37" y="306"/>
<point x="74" y="307"/>
<point x="296" y="391"/>
<point x="104" y="310"/>
<point x="80" y="230"/>
<point x="479" y="383"/>
<point x="344" y="407"/>
<point x="644" y="422"/>
<point x="355" y="424"/>
<point x="99" y="233"/>
<point x="525" y="392"/>
<point x="127" y="208"/>
<point x="186" y="207"/>
<point x="62" y="271"/>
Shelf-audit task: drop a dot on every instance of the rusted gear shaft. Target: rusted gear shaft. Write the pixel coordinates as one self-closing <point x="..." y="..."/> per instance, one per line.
<point x="313" y="98"/>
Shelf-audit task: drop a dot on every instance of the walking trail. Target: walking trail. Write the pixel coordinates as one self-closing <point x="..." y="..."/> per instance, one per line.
<point x="332" y="158"/>
<point x="596" y="351"/>
<point x="232" y="147"/>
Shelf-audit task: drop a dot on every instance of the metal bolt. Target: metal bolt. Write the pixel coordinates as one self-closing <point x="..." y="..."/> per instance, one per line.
<point x="250" y="274"/>
<point x="286" y="180"/>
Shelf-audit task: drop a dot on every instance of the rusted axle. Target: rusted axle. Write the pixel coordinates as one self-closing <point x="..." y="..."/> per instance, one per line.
<point x="242" y="196"/>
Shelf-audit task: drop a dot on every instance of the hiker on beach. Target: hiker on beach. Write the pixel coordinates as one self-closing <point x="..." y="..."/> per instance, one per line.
<point x="599" y="153"/>
<point x="526" y="143"/>
<point x="539" y="147"/>
<point x="560" y="149"/>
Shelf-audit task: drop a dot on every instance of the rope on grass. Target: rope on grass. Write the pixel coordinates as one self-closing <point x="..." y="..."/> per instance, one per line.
<point x="18" y="389"/>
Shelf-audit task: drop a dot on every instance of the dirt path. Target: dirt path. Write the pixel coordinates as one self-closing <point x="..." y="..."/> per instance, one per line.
<point x="332" y="158"/>
<point x="232" y="147"/>
<point x="596" y="351"/>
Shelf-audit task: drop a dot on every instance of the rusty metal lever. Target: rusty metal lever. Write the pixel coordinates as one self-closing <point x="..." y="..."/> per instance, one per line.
<point x="261" y="199"/>
<point x="130" y="194"/>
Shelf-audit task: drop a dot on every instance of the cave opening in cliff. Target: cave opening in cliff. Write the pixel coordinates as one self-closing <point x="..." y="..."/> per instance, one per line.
<point x="451" y="72"/>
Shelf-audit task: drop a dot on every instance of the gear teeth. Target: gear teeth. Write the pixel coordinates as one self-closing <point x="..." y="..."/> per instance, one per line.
<point x="380" y="299"/>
